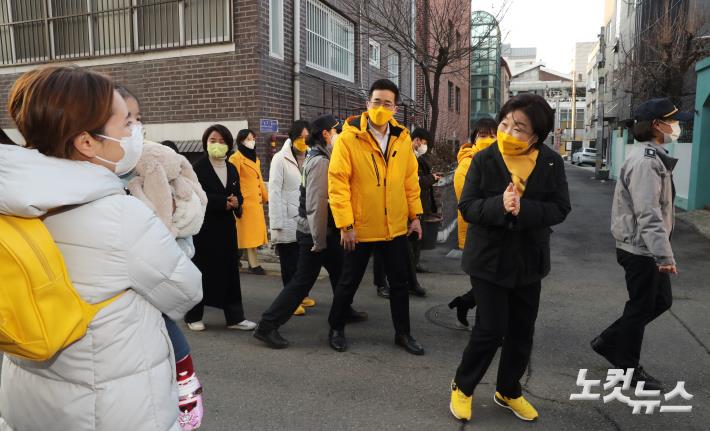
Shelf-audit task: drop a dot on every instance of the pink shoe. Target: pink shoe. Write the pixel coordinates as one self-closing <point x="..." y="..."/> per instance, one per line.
<point x="190" y="403"/>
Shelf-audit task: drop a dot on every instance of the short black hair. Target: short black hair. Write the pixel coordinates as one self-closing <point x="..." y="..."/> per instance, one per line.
<point x="171" y="145"/>
<point x="126" y="93"/>
<point x="421" y="134"/>
<point x="223" y="131"/>
<point x="541" y="115"/>
<point x="243" y="134"/>
<point x="297" y="129"/>
<point x="384" y="84"/>
<point x="485" y="124"/>
<point x="643" y="130"/>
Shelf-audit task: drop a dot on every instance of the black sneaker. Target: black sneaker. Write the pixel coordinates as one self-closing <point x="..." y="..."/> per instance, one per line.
<point x="650" y="382"/>
<point x="383" y="291"/>
<point x="257" y="270"/>
<point x="603" y="349"/>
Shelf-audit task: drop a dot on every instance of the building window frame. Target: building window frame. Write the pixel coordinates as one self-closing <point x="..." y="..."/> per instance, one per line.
<point x="394" y="62"/>
<point x="450" y="95"/>
<point x="88" y="29"/>
<point x="374" y="53"/>
<point x="458" y="99"/>
<point x="276" y="29"/>
<point x="330" y="46"/>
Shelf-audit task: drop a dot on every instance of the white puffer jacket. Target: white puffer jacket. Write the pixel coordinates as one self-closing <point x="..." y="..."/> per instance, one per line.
<point x="120" y="375"/>
<point x="284" y="195"/>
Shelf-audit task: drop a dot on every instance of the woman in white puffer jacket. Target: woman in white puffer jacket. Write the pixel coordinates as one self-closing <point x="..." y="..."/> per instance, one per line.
<point x="120" y="375"/>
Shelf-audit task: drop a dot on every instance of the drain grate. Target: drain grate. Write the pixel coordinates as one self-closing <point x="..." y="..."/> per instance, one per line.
<point x="442" y="315"/>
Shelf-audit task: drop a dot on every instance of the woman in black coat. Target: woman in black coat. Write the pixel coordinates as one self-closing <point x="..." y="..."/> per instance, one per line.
<point x="216" y="243"/>
<point x="514" y="191"/>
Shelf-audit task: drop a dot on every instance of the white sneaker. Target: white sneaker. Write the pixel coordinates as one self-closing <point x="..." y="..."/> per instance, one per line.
<point x="244" y="325"/>
<point x="196" y="326"/>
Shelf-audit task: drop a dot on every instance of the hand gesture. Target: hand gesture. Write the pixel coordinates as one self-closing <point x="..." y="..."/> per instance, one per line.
<point x="348" y="239"/>
<point x="415" y="226"/>
<point x="668" y="269"/>
<point x="511" y="200"/>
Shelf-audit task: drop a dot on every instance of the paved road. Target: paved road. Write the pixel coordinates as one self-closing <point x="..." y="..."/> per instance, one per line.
<point x="376" y="386"/>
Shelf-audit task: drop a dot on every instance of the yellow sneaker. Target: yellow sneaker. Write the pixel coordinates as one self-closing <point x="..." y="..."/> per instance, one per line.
<point x="519" y="406"/>
<point x="308" y="302"/>
<point x="460" y="405"/>
<point x="300" y="311"/>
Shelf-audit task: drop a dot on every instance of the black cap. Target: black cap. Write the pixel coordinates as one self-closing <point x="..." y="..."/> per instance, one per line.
<point x="324" y="122"/>
<point x="660" y="109"/>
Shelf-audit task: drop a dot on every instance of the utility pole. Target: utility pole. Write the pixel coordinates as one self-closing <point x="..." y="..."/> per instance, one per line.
<point x="601" y="64"/>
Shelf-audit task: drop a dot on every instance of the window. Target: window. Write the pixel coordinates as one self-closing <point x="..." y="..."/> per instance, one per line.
<point x="451" y="96"/>
<point x="331" y="42"/>
<point x="276" y="28"/>
<point x="393" y="66"/>
<point x="43" y="30"/>
<point x="458" y="99"/>
<point x="374" y="53"/>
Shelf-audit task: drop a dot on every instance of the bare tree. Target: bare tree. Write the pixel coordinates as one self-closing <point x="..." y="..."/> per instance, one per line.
<point x="665" y="50"/>
<point x="438" y="40"/>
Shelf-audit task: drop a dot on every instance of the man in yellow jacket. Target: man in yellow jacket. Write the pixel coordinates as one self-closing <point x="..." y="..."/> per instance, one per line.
<point x="373" y="189"/>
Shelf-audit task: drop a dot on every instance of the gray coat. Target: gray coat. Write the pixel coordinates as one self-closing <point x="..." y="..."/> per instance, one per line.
<point x="643" y="213"/>
<point x="316" y="219"/>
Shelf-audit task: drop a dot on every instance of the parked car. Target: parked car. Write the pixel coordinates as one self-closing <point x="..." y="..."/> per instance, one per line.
<point x="586" y="155"/>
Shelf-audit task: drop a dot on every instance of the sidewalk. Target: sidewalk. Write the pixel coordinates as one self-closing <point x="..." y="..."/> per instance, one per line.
<point x="699" y="219"/>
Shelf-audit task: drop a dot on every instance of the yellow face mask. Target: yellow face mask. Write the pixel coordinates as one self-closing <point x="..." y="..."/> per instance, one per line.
<point x="511" y="146"/>
<point x="380" y="115"/>
<point x="217" y="150"/>
<point x="300" y="145"/>
<point x="483" y="143"/>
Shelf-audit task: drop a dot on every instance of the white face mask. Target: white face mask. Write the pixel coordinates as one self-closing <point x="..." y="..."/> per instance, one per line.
<point x="674" y="135"/>
<point x="132" y="149"/>
<point x="421" y="150"/>
<point x="333" y="138"/>
<point x="250" y="144"/>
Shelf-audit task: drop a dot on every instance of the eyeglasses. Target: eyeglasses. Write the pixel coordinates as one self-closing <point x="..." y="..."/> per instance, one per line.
<point x="378" y="103"/>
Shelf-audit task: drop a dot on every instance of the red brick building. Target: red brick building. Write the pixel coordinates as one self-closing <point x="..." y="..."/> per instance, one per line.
<point x="197" y="62"/>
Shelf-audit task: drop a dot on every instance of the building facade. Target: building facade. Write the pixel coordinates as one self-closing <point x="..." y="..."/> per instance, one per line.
<point x="486" y="67"/>
<point x="244" y="63"/>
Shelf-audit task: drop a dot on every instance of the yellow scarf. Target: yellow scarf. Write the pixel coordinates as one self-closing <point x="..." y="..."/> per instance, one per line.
<point x="519" y="158"/>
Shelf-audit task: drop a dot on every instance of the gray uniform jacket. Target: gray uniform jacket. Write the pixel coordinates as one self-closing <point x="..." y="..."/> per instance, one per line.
<point x="315" y="181"/>
<point x="643" y="214"/>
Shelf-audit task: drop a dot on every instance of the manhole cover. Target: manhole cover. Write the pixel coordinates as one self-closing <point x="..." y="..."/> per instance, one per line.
<point x="442" y="315"/>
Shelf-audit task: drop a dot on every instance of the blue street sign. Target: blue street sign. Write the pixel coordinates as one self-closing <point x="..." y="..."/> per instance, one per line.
<point x="267" y="125"/>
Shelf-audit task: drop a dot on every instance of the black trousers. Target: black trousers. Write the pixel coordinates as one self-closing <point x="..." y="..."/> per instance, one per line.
<point x="504" y="317"/>
<point x="288" y="258"/>
<point x="378" y="264"/>
<point x="649" y="296"/>
<point x="309" y="266"/>
<point x="395" y="255"/>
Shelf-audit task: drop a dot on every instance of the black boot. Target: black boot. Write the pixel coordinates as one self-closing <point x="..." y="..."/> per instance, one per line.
<point x="337" y="340"/>
<point x="270" y="336"/>
<point x="409" y="343"/>
<point x="462" y="306"/>
<point x="649" y="382"/>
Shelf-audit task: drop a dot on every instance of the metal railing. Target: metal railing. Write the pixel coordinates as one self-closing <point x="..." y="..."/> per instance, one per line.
<point x="39" y="31"/>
